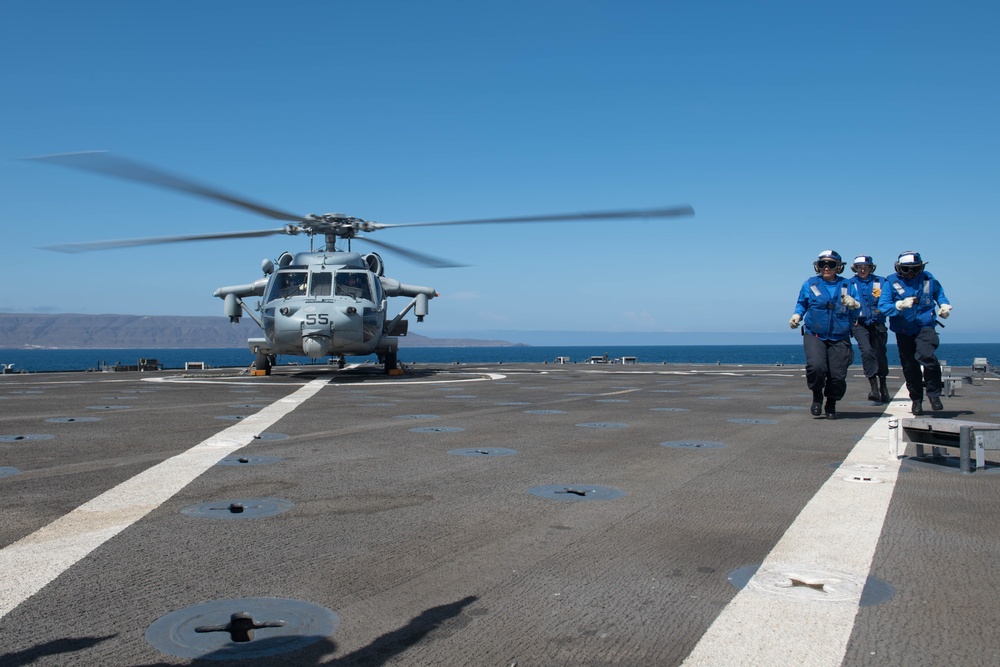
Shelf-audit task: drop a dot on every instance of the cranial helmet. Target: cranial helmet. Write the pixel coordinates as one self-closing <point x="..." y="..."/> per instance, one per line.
<point x="909" y="261"/>
<point x="829" y="255"/>
<point x="863" y="259"/>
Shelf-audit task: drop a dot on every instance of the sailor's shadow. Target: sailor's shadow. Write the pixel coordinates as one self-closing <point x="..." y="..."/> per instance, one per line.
<point x="52" y="648"/>
<point x="393" y="643"/>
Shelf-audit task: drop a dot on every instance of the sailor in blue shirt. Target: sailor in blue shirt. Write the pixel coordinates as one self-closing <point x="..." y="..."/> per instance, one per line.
<point x="827" y="307"/>
<point x="869" y="329"/>
<point x="915" y="302"/>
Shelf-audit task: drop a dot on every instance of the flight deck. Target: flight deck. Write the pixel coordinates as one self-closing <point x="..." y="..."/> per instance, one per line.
<point x="496" y="514"/>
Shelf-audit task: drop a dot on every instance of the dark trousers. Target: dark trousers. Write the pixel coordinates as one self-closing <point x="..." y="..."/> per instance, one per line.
<point x="872" y="339"/>
<point x="827" y="362"/>
<point x="916" y="354"/>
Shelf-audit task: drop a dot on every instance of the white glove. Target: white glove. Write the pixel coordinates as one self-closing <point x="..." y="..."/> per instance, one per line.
<point x="795" y="321"/>
<point x="944" y="310"/>
<point x="850" y="302"/>
<point x="908" y="302"/>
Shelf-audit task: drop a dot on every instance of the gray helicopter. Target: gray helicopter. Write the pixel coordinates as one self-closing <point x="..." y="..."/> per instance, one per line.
<point x="329" y="302"/>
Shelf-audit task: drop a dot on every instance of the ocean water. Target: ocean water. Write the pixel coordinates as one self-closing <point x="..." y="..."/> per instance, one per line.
<point x="957" y="354"/>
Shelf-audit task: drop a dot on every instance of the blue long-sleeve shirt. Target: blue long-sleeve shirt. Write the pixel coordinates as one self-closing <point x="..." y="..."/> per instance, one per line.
<point x="823" y="315"/>
<point x="928" y="292"/>
<point x="870" y="290"/>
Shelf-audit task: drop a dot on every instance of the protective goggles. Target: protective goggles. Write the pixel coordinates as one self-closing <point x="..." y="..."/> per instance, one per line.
<point x="827" y="264"/>
<point x="909" y="270"/>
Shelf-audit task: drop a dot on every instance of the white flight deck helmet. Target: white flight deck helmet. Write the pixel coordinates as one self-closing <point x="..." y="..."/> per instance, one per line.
<point x="863" y="259"/>
<point x="909" y="264"/>
<point x="829" y="255"/>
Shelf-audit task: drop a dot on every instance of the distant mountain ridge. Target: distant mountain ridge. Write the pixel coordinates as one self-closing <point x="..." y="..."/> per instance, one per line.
<point x="73" y="331"/>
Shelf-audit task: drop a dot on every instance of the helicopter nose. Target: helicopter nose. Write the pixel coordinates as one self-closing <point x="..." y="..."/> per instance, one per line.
<point x="316" y="346"/>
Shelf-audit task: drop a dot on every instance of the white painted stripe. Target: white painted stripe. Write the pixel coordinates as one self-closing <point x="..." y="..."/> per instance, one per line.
<point x="832" y="541"/>
<point x="31" y="563"/>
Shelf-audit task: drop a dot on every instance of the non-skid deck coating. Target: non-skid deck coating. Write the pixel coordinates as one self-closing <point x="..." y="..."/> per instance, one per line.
<point x="746" y="531"/>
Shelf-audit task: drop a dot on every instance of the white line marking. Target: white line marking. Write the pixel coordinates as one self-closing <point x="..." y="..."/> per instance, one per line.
<point x="31" y="563"/>
<point x="772" y="621"/>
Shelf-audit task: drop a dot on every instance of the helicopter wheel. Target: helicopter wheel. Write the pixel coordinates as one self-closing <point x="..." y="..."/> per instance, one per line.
<point x="263" y="363"/>
<point x="391" y="361"/>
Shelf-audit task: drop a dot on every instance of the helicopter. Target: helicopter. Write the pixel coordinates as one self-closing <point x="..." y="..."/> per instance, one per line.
<point x="327" y="302"/>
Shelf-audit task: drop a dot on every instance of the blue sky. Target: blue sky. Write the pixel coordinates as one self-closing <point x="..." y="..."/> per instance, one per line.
<point x="790" y="127"/>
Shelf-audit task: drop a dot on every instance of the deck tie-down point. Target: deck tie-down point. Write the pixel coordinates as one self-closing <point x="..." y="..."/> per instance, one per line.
<point x="235" y="508"/>
<point x="815" y="587"/>
<point x="240" y="627"/>
<point x="576" y="492"/>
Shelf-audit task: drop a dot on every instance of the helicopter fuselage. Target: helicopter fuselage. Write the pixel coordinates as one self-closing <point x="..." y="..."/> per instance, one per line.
<point x="329" y="303"/>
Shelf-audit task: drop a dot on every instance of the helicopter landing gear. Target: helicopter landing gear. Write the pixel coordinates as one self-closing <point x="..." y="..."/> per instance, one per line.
<point x="263" y="363"/>
<point x="341" y="362"/>
<point x="391" y="361"/>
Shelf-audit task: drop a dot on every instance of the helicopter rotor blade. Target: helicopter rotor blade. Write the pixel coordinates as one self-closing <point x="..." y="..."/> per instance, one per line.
<point x="128" y="243"/>
<point x="419" y="257"/>
<point x="672" y="212"/>
<point x="103" y="162"/>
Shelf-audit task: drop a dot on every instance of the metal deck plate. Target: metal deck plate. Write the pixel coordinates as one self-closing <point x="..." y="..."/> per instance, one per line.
<point x="483" y="451"/>
<point x="603" y="425"/>
<point x="750" y="420"/>
<point x="22" y="437"/>
<point x="8" y="471"/>
<point x="218" y="630"/>
<point x="436" y="429"/>
<point x="238" y="508"/>
<point x="248" y="460"/>
<point x="813" y="584"/>
<point x="693" y="444"/>
<point x="270" y="437"/>
<point x="71" y="420"/>
<point x="576" y="492"/>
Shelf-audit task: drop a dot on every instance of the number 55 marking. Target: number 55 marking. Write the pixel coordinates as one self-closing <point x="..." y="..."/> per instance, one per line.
<point x="317" y="318"/>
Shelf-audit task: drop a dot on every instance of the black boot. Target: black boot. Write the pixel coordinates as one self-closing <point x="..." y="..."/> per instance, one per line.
<point x="817" y="405"/>
<point x="831" y="409"/>
<point x="874" y="396"/>
<point x="917" y="407"/>
<point x="936" y="403"/>
<point x="883" y="390"/>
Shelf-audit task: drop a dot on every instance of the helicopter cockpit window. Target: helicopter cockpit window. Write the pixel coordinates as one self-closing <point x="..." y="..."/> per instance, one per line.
<point x="353" y="285"/>
<point x="288" y="283"/>
<point x="321" y="284"/>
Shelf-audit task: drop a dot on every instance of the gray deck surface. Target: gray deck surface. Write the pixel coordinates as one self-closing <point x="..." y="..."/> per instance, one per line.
<point x="431" y="557"/>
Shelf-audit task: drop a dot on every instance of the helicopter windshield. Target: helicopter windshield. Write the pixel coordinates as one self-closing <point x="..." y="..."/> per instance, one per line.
<point x="321" y="284"/>
<point x="286" y="284"/>
<point x="353" y="284"/>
